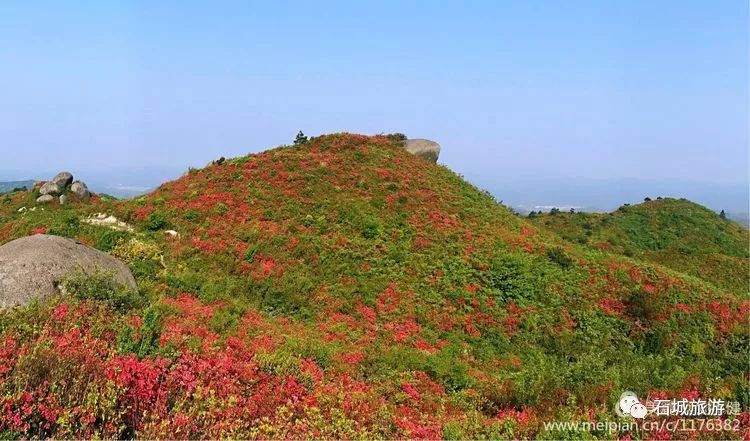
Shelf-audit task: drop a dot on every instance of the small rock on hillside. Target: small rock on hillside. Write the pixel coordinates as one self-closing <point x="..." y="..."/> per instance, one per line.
<point x="106" y="220"/>
<point x="45" y="198"/>
<point x="32" y="267"/>
<point x="424" y="148"/>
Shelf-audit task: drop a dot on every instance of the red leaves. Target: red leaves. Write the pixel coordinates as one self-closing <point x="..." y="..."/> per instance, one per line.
<point x="352" y="357"/>
<point x="411" y="391"/>
<point x="521" y="417"/>
<point x="8" y="353"/>
<point x="210" y="247"/>
<point x="142" y="213"/>
<point x="209" y="389"/>
<point x="388" y="300"/>
<point x="423" y="345"/>
<point x="191" y="321"/>
<point x="368" y="314"/>
<point x="526" y="239"/>
<point x="510" y="325"/>
<point x="267" y="265"/>
<point x="612" y="306"/>
<point x="723" y="314"/>
<point x="421" y="243"/>
<point x="470" y="329"/>
<point x="383" y="173"/>
<point x="567" y="323"/>
<point x="442" y="221"/>
<point x="403" y="330"/>
<point x="60" y="311"/>
<point x="140" y="381"/>
<point x="39" y="230"/>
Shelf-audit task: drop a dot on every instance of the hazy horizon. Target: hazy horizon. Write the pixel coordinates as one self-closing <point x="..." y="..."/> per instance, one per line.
<point x="522" y="191"/>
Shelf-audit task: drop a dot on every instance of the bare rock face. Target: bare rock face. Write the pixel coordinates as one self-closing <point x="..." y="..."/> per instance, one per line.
<point x="33" y="267"/>
<point x="424" y="148"/>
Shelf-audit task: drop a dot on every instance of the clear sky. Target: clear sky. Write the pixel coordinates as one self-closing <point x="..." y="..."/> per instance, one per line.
<point x="597" y="89"/>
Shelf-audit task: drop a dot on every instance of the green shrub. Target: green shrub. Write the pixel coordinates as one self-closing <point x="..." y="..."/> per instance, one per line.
<point x="67" y="225"/>
<point x="371" y="229"/>
<point x="143" y="341"/>
<point x="398" y="137"/>
<point x="156" y="222"/>
<point x="250" y="253"/>
<point x="558" y="255"/>
<point x="110" y="239"/>
<point x="449" y="368"/>
<point x="510" y="277"/>
<point x="226" y="319"/>
<point x="192" y="215"/>
<point x="101" y="286"/>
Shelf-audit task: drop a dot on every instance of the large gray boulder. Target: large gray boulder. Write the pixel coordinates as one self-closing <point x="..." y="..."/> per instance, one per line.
<point x="62" y="179"/>
<point x="45" y="199"/>
<point x="424" y="148"/>
<point x="34" y="266"/>
<point x="79" y="189"/>
<point x="50" y="188"/>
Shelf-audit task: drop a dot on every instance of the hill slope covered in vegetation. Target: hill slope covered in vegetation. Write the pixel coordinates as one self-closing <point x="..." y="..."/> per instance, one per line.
<point x="345" y="288"/>
<point x="675" y="233"/>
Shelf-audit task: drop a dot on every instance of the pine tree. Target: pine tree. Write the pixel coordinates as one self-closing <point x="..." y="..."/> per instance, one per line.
<point x="723" y="215"/>
<point x="300" y="139"/>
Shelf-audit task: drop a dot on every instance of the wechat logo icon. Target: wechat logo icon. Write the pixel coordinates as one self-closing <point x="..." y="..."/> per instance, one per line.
<point x="630" y="405"/>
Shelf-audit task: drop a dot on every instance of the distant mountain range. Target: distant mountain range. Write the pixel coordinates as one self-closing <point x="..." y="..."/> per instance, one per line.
<point x="535" y="193"/>
<point x="12" y="185"/>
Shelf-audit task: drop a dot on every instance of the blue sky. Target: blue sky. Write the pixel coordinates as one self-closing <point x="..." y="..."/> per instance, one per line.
<point x="595" y="89"/>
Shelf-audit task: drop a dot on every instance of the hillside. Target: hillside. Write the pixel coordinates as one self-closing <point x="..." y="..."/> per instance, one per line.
<point x="672" y="232"/>
<point x="345" y="288"/>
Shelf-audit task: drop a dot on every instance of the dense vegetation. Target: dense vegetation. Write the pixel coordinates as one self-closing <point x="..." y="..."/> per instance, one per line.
<point x="675" y="233"/>
<point x="345" y="288"/>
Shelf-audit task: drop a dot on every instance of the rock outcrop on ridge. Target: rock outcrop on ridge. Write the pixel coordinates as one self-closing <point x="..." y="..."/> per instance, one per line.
<point x="60" y="187"/>
<point x="424" y="148"/>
